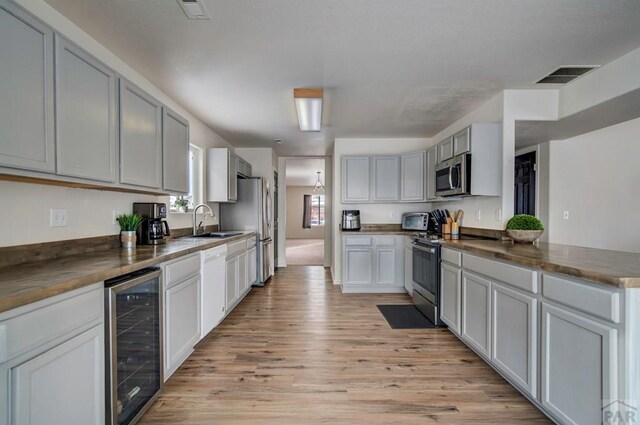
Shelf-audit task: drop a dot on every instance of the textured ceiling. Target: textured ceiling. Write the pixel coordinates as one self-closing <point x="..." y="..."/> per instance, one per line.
<point x="401" y="68"/>
<point x="304" y="172"/>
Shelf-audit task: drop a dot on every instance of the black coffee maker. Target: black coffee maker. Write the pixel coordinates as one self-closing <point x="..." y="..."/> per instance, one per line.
<point x="153" y="230"/>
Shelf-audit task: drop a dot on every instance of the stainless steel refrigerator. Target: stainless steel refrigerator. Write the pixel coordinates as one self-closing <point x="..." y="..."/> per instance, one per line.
<point x="252" y="212"/>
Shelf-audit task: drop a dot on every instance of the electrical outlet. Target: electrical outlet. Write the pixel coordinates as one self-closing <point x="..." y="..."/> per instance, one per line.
<point x="478" y="215"/>
<point x="499" y="214"/>
<point x="565" y="215"/>
<point x="115" y="214"/>
<point x="58" y="217"/>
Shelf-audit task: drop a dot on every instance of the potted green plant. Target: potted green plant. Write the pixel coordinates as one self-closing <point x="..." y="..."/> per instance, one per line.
<point x="128" y="225"/>
<point x="181" y="204"/>
<point x="524" y="228"/>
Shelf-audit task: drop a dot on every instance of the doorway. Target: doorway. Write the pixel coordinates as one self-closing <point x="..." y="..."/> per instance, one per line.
<point x="525" y="184"/>
<point x="305" y="212"/>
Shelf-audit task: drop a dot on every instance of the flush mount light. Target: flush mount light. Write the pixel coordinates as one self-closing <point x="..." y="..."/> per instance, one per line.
<point x="309" y="108"/>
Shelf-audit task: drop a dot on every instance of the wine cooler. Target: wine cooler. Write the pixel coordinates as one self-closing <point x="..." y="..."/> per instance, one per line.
<point x="133" y="346"/>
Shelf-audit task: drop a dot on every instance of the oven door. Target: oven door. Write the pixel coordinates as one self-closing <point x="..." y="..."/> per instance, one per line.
<point x="426" y="271"/>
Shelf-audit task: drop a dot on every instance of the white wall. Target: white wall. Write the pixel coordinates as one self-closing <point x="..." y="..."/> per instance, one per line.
<point x="295" y="212"/>
<point x="89" y="211"/>
<point x="369" y="213"/>
<point x="596" y="177"/>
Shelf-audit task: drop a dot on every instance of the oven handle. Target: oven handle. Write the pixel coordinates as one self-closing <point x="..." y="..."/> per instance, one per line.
<point x="425" y="249"/>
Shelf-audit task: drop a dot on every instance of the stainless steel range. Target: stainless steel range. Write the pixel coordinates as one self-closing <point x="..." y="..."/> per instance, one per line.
<point x="426" y="276"/>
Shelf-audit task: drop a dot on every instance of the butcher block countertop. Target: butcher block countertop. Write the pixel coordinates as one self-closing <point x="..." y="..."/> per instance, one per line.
<point x="613" y="268"/>
<point x="30" y="282"/>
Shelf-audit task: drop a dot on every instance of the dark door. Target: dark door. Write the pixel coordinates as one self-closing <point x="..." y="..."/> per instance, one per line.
<point x="275" y="220"/>
<point x="525" y="184"/>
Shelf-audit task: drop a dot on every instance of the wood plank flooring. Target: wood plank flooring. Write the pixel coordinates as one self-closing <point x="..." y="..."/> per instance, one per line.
<point x="300" y="352"/>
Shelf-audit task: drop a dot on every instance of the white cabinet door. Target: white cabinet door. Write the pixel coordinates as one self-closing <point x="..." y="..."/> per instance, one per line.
<point x="252" y="264"/>
<point x="232" y="282"/>
<point x="175" y="152"/>
<point x="579" y="366"/>
<point x="515" y="336"/>
<point x="476" y="313"/>
<point x="450" y="296"/>
<point x="64" y="385"/>
<point x="86" y="115"/>
<point x="462" y="142"/>
<point x="355" y="179"/>
<point x="213" y="294"/>
<point x="432" y="158"/>
<point x="445" y="150"/>
<point x="413" y="180"/>
<point x="140" y="137"/>
<point x="182" y="323"/>
<point x="385" y="266"/>
<point x="243" y="276"/>
<point x="26" y="87"/>
<point x="408" y="270"/>
<point x="386" y="178"/>
<point x="233" y="177"/>
<point x="358" y="266"/>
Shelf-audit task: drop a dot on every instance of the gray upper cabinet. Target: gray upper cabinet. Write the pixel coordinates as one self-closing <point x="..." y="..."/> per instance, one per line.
<point x="175" y="152"/>
<point x="462" y="142"/>
<point x="412" y="179"/>
<point x="86" y="115"/>
<point x="445" y="150"/>
<point x="355" y="179"/>
<point x="26" y="84"/>
<point x="432" y="158"/>
<point x="140" y="137"/>
<point x="234" y="162"/>
<point x="386" y="173"/>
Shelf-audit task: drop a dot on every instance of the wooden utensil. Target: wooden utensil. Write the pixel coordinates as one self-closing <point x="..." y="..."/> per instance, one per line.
<point x="459" y="216"/>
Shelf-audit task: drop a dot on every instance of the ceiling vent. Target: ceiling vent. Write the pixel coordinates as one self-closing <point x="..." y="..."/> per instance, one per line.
<point x="194" y="9"/>
<point x="565" y="74"/>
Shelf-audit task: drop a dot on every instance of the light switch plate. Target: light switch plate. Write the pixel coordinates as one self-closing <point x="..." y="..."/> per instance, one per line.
<point x="478" y="215"/>
<point x="565" y="215"/>
<point x="499" y="214"/>
<point x="115" y="214"/>
<point x="58" y="217"/>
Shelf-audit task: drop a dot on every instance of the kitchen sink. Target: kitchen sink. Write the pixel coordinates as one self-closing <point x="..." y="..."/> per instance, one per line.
<point x="219" y="235"/>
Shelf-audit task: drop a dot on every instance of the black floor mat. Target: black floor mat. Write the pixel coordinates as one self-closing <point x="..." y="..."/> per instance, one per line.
<point x="404" y="316"/>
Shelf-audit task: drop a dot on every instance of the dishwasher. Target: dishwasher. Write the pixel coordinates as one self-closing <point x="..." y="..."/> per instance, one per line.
<point x="213" y="288"/>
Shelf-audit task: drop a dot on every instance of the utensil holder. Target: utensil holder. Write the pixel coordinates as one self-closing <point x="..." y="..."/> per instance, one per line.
<point x="446" y="229"/>
<point x="455" y="229"/>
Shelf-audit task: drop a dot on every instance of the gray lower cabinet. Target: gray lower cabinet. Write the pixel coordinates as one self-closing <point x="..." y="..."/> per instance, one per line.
<point x="432" y="159"/>
<point x="373" y="263"/>
<point x="450" y="291"/>
<point x="579" y="365"/>
<point x="386" y="178"/>
<point x="232" y="293"/>
<point x="356" y="176"/>
<point x="86" y="115"/>
<point x="140" y="137"/>
<point x="514" y="336"/>
<point x="358" y="266"/>
<point x="27" y="87"/>
<point x="175" y="152"/>
<point x="476" y="313"/>
<point x="413" y="177"/>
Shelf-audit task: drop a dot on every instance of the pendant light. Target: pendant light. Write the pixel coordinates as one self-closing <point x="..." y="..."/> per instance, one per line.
<point x="318" y="187"/>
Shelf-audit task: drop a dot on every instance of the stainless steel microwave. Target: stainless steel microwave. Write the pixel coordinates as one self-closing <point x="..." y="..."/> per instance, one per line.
<point x="453" y="176"/>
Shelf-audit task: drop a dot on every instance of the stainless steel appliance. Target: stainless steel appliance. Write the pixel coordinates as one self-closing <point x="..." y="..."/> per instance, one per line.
<point x="154" y="229"/>
<point x="453" y="176"/>
<point x="252" y="212"/>
<point x="419" y="221"/>
<point x="133" y="348"/>
<point x="351" y="220"/>
<point x="426" y="277"/>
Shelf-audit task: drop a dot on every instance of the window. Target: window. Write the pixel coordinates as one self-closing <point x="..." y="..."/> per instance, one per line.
<point x="317" y="210"/>
<point x="194" y="197"/>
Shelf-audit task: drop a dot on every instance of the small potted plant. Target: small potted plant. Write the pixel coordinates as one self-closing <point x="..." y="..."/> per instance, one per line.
<point x="524" y="228"/>
<point x="181" y="204"/>
<point x="128" y="225"/>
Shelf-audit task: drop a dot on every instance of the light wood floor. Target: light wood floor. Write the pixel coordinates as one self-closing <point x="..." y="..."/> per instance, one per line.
<point x="300" y="352"/>
<point x="305" y="252"/>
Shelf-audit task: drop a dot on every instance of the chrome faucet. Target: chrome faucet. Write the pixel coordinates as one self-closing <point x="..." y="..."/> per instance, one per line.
<point x="197" y="228"/>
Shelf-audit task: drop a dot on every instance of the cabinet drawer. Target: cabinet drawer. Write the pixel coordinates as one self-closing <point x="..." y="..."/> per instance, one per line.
<point x="181" y="269"/>
<point x="582" y="296"/>
<point x="385" y="241"/>
<point x="452" y="257"/>
<point x="236" y="248"/>
<point x="358" y="240"/>
<point x="519" y="277"/>
<point x="27" y="331"/>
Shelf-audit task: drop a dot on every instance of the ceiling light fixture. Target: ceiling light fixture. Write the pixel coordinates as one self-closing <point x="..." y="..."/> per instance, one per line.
<point x="309" y="108"/>
<point x="318" y="187"/>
